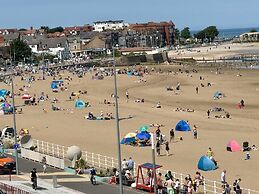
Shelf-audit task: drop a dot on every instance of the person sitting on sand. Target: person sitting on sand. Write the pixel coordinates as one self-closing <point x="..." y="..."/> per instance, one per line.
<point x="54" y="108"/>
<point x="158" y="105"/>
<point x="91" y="116"/>
<point x="254" y="147"/>
<point x="247" y="156"/>
<point x="101" y="115"/>
<point x="227" y="115"/>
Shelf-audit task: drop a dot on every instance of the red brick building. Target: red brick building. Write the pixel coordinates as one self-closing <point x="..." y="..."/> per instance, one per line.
<point x="165" y="28"/>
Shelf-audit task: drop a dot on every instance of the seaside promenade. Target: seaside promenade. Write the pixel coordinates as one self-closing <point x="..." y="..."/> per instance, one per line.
<point x="66" y="183"/>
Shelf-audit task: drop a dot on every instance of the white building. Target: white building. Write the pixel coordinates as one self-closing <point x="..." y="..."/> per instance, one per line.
<point x="101" y="26"/>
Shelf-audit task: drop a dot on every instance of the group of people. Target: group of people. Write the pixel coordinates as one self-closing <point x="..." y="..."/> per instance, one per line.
<point x="171" y="185"/>
<point x="226" y="189"/>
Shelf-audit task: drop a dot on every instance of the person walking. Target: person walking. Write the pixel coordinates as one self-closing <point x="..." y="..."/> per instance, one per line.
<point x="223" y="177"/>
<point x="208" y="113"/>
<point x="195" y="132"/>
<point x="171" y="135"/>
<point x="34" y="178"/>
<point x="167" y="148"/>
<point x="127" y="95"/>
<point x="197" y="90"/>
<point x="169" y="184"/>
<point x="44" y="162"/>
<point x="158" y="148"/>
<point x="130" y="163"/>
<point x="227" y="189"/>
<point x="92" y="174"/>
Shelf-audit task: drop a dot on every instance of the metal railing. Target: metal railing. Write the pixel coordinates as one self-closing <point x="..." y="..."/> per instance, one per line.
<point x="105" y="162"/>
<point x="8" y="189"/>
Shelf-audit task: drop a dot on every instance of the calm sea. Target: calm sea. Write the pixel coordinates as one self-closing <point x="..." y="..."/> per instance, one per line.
<point x="231" y="33"/>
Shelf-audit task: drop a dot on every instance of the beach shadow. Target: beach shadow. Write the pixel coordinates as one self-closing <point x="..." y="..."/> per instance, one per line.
<point x="127" y="118"/>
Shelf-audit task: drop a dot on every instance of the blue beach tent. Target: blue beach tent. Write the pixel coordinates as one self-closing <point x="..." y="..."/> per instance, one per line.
<point x="206" y="164"/>
<point x="80" y="104"/>
<point x="217" y="94"/>
<point x="55" y="83"/>
<point x="182" y="126"/>
<point x="143" y="135"/>
<point x="3" y="92"/>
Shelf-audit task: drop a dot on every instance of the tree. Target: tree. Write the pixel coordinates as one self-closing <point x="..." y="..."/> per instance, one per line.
<point x="211" y="32"/>
<point x="56" y="29"/>
<point x="185" y="33"/>
<point x="20" y="50"/>
<point x="253" y="30"/>
<point x="208" y="33"/>
<point x="200" y="35"/>
<point x="177" y="34"/>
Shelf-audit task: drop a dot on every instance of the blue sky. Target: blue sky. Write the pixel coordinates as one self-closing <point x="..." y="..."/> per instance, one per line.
<point x="196" y="14"/>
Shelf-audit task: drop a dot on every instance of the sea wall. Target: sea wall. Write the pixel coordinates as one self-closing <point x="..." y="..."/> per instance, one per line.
<point x="152" y="58"/>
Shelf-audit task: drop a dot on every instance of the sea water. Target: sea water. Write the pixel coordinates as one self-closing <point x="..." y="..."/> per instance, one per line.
<point x="231" y="33"/>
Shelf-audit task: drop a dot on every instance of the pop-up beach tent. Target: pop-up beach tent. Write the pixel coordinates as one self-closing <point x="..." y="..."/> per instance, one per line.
<point x="217" y="95"/>
<point x="55" y="83"/>
<point x="143" y="135"/>
<point x="182" y="126"/>
<point x="129" y="138"/>
<point x="206" y="164"/>
<point x="3" y="92"/>
<point x="80" y="104"/>
<point x="233" y="146"/>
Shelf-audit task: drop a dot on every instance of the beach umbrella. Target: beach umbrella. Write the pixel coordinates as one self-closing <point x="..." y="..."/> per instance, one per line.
<point x="143" y="136"/>
<point x="130" y="135"/>
<point x="26" y="96"/>
<point x="129" y="138"/>
<point x="143" y="128"/>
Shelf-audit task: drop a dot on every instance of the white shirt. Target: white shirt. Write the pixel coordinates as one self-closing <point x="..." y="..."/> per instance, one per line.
<point x="223" y="177"/>
<point x="176" y="184"/>
<point x="124" y="164"/>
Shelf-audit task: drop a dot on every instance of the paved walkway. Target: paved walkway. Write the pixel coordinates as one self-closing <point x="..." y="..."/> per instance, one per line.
<point x="67" y="183"/>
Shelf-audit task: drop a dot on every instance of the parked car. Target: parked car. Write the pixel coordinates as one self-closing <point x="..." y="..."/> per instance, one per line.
<point x="7" y="164"/>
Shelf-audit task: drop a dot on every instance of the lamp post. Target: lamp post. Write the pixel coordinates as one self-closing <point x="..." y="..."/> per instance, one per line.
<point x="154" y="161"/>
<point x="117" y="121"/>
<point x="14" y="122"/>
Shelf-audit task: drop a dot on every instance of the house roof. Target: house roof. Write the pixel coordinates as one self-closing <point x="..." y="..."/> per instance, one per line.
<point x="53" y="42"/>
<point x="109" y="21"/>
<point x="11" y="37"/>
<point x="87" y="35"/>
<point x="9" y="30"/>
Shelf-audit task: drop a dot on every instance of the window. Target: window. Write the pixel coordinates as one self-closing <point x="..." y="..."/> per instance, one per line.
<point x="58" y="45"/>
<point x="75" y="47"/>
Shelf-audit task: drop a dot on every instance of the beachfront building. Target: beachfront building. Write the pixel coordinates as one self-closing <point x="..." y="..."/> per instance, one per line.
<point x="55" y="46"/>
<point x="154" y="34"/>
<point x="76" y="30"/>
<point x="249" y="37"/>
<point x="101" y="26"/>
<point x="75" y="46"/>
<point x="8" y="31"/>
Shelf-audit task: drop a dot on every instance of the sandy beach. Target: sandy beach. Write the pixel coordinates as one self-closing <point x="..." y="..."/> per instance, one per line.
<point x="68" y="127"/>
